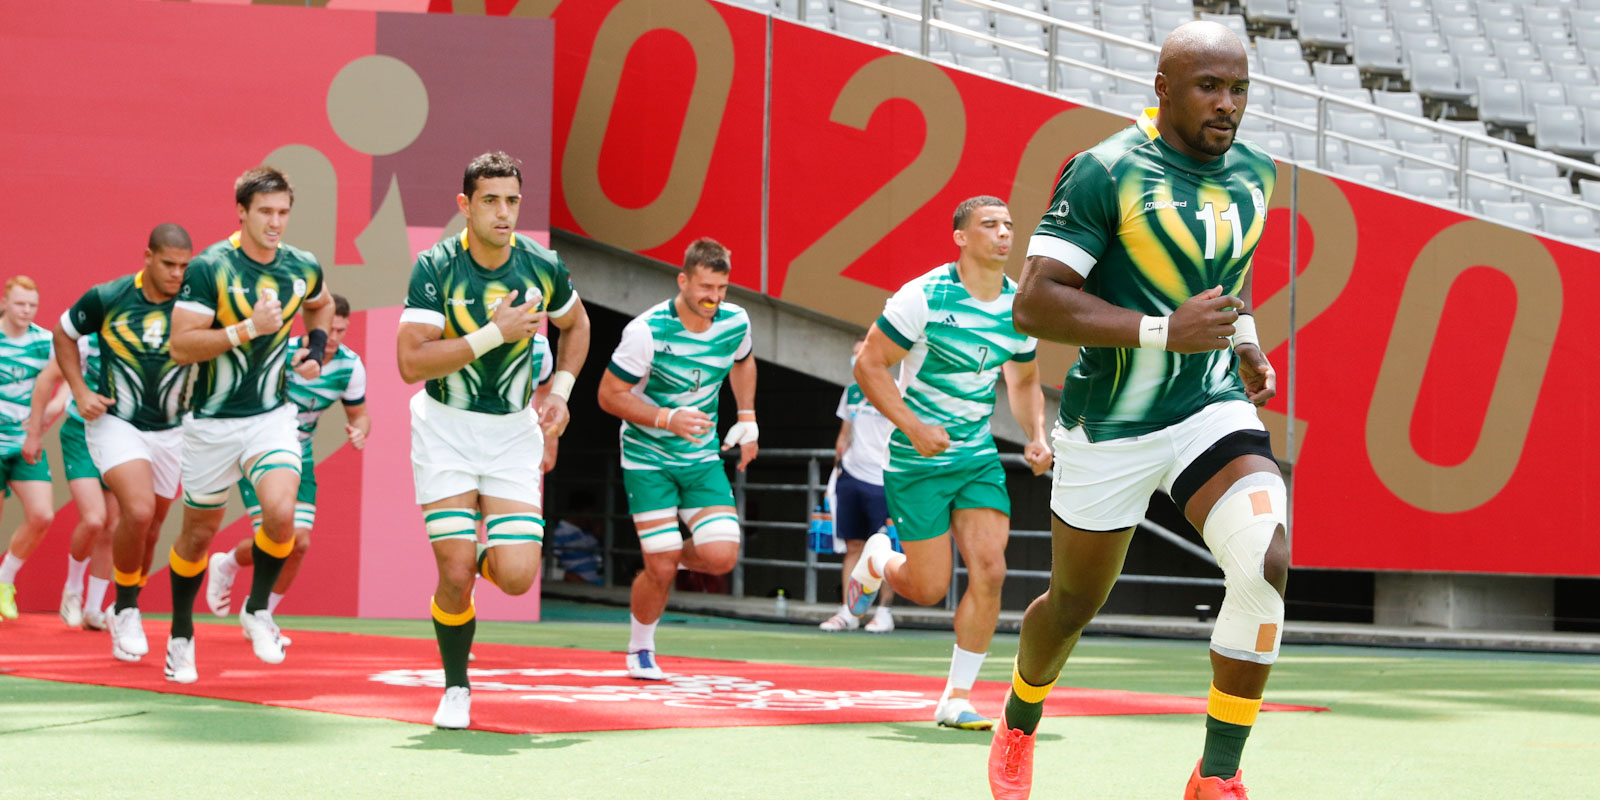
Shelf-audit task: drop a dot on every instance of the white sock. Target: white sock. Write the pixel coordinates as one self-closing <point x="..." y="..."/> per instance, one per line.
<point x="75" y="571"/>
<point x="640" y="635"/>
<point x="9" y="567"/>
<point x="96" y="598"/>
<point x="964" y="668"/>
<point x="273" y="600"/>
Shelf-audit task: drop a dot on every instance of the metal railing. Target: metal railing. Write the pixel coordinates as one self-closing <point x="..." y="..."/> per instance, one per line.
<point x="618" y="528"/>
<point x="1460" y="170"/>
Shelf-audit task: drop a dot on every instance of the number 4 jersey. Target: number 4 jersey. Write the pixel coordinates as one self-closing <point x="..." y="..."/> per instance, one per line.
<point x="1149" y="227"/>
<point x="136" y="367"/>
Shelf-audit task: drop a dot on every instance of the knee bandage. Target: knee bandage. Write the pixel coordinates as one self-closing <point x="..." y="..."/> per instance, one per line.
<point x="519" y="528"/>
<point x="451" y="523"/>
<point x="269" y="461"/>
<point x="658" y="531"/>
<point x="719" y="527"/>
<point x="1239" y="530"/>
<point x="206" y="501"/>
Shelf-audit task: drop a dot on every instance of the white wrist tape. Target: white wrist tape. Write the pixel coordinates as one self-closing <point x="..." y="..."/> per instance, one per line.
<point x="1153" y="332"/>
<point x="485" y="339"/>
<point x="561" y="384"/>
<point x="742" y="432"/>
<point x="667" y="423"/>
<point x="250" y="329"/>
<point x="233" y="334"/>
<point x="1244" y="331"/>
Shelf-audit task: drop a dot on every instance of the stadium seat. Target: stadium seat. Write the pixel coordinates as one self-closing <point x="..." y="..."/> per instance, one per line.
<point x="1270" y="15"/>
<point x="1297" y="120"/>
<point x="1411" y="9"/>
<point x="1082" y="97"/>
<point x="1479" y="189"/>
<point x="1519" y="214"/>
<point x="1438" y="151"/>
<point x="1413" y="42"/>
<point x="1453" y="27"/>
<point x="1305" y="149"/>
<point x="1087" y="52"/>
<point x="1486" y="159"/>
<point x="1500" y="103"/>
<point x="1028" y="69"/>
<point x="1365" y="19"/>
<point x="1413" y="22"/>
<point x="1434" y="75"/>
<point x="1556" y="55"/>
<point x="1451" y="9"/>
<point x="1021" y="31"/>
<point x="1370" y="174"/>
<point x="1129" y="105"/>
<point x="1527" y="168"/>
<point x="904" y="33"/>
<point x="1470" y="67"/>
<point x="1430" y="184"/>
<point x="1337" y="76"/>
<point x="1548" y="34"/>
<point x="1377" y="54"/>
<point x="1559" y="129"/>
<point x="850" y="12"/>
<point x="1408" y="103"/>
<point x="1569" y="221"/>
<point x="1280" y="49"/>
<point x="1293" y="71"/>
<point x="1493" y="14"/>
<point x="1589" y="191"/>
<point x="1320" y="26"/>
<point x="1591" y="126"/>
<point x="1232" y="22"/>
<point x="1544" y="16"/>
<point x="1549" y="93"/>
<point x="1587" y="38"/>
<point x="1360" y="125"/>
<point x="993" y="66"/>
<point x="1527" y="70"/>
<point x="1475" y="46"/>
<point x="1520" y="49"/>
<point x="1583" y="96"/>
<point x="865" y="31"/>
<point x="1072" y="77"/>
<point x="1128" y="60"/>
<point x="1186" y="6"/>
<point x="1573" y="74"/>
<point x="1371" y="156"/>
<point x="1122" y="17"/>
<point x="1276" y="143"/>
<point x="1558" y="186"/>
<point x="1165" y="21"/>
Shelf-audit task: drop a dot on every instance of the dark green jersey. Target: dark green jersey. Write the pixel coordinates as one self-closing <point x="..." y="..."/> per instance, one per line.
<point x="136" y="367"/>
<point x="449" y="290"/>
<point x="89" y="357"/>
<point x="223" y="283"/>
<point x="1149" y="227"/>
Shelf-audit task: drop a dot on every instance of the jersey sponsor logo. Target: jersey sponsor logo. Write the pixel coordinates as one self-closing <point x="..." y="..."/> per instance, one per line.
<point x="1155" y="205"/>
<point x="723" y="692"/>
<point x="666" y="349"/>
<point x="242" y="290"/>
<point x="1258" y="200"/>
<point x="459" y="301"/>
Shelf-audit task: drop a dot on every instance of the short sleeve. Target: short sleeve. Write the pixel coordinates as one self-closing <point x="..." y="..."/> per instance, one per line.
<point x="85" y="316"/>
<point x="424" y="298"/>
<point x="355" y="392"/>
<point x="547" y="360"/>
<point x="319" y="282"/>
<point x="631" y="360"/>
<point x="747" y="344"/>
<point x="559" y="296"/>
<point x="1083" y="216"/>
<point x="199" y="292"/>
<point x="843" y="411"/>
<point x="1028" y="351"/>
<point x="905" y="316"/>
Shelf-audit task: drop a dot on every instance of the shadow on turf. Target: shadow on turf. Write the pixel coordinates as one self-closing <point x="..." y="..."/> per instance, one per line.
<point x="484" y="743"/>
<point x="927" y="733"/>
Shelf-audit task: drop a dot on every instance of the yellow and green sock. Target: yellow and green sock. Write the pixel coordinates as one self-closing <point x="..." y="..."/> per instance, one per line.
<point x="1228" y="723"/>
<point x="128" y="586"/>
<point x="186" y="579"/>
<point x="454" y="632"/>
<point x="270" y="557"/>
<point x="1025" y="702"/>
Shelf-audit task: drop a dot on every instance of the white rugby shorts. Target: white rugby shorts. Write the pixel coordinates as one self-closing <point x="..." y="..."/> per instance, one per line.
<point x="454" y="451"/>
<point x="215" y="450"/>
<point x="1106" y="486"/>
<point x="114" y="441"/>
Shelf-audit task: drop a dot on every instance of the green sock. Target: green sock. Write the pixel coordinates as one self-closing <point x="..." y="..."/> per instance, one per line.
<point x="1023" y="716"/>
<point x="266" y="572"/>
<point x="455" y="644"/>
<point x="183" y="594"/>
<point x="127" y="597"/>
<point x="1224" y="746"/>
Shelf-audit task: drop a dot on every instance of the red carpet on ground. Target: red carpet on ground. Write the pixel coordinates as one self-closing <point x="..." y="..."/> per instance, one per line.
<point x="518" y="689"/>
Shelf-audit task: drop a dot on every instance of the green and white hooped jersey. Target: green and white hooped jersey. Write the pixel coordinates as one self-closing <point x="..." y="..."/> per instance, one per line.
<point x="956" y="345"/>
<point x="89" y="357"/>
<point x="672" y="366"/>
<point x="21" y="360"/>
<point x="1149" y="227"/>
<point x="223" y="283"/>
<point x="135" y="367"/>
<point x="449" y="290"/>
<point x="343" y="379"/>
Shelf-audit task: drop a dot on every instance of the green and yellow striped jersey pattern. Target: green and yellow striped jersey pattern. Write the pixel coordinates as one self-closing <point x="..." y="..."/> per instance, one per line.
<point x="136" y="369"/>
<point x="449" y="290"/>
<point x="1162" y="227"/>
<point x="224" y="282"/>
<point x="671" y="366"/>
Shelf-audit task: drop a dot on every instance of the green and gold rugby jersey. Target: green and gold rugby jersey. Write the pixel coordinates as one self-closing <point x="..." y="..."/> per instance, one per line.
<point x="956" y="344"/>
<point x="89" y="357"/>
<point x="1149" y="227"/>
<point x="136" y="369"/>
<point x="343" y="379"/>
<point x="449" y="290"/>
<point x="671" y="366"/>
<point x="223" y="283"/>
<point x="21" y="360"/>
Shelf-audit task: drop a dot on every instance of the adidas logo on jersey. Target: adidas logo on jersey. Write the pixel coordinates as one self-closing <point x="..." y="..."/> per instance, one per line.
<point x="666" y="349"/>
<point x="950" y="319"/>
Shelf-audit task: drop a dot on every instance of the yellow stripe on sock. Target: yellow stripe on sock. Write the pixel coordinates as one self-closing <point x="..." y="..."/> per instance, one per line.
<point x="1232" y="710"/>
<point x="144" y="580"/>
<point x="126" y="578"/>
<point x="485" y="572"/>
<point x="1027" y="692"/>
<point x="271" y="548"/>
<point x="453" y="620"/>
<point x="187" y="569"/>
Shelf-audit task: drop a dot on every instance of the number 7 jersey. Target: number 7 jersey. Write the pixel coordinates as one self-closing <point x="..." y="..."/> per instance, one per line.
<point x="1149" y="227"/>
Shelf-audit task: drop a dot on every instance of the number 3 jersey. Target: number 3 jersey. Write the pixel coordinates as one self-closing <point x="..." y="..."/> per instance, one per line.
<point x="224" y="284"/>
<point x="671" y="366"/>
<point x="1149" y="227"/>
<point x="955" y="346"/>
<point x="136" y="369"/>
<point x="449" y="290"/>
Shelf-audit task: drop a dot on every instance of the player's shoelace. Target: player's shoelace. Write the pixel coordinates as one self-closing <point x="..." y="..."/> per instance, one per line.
<point x="1014" y="754"/>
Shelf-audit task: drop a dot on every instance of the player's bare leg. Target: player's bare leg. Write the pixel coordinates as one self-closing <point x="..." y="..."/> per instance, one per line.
<point x="89" y="499"/>
<point x="452" y="525"/>
<point x="39" y="512"/>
